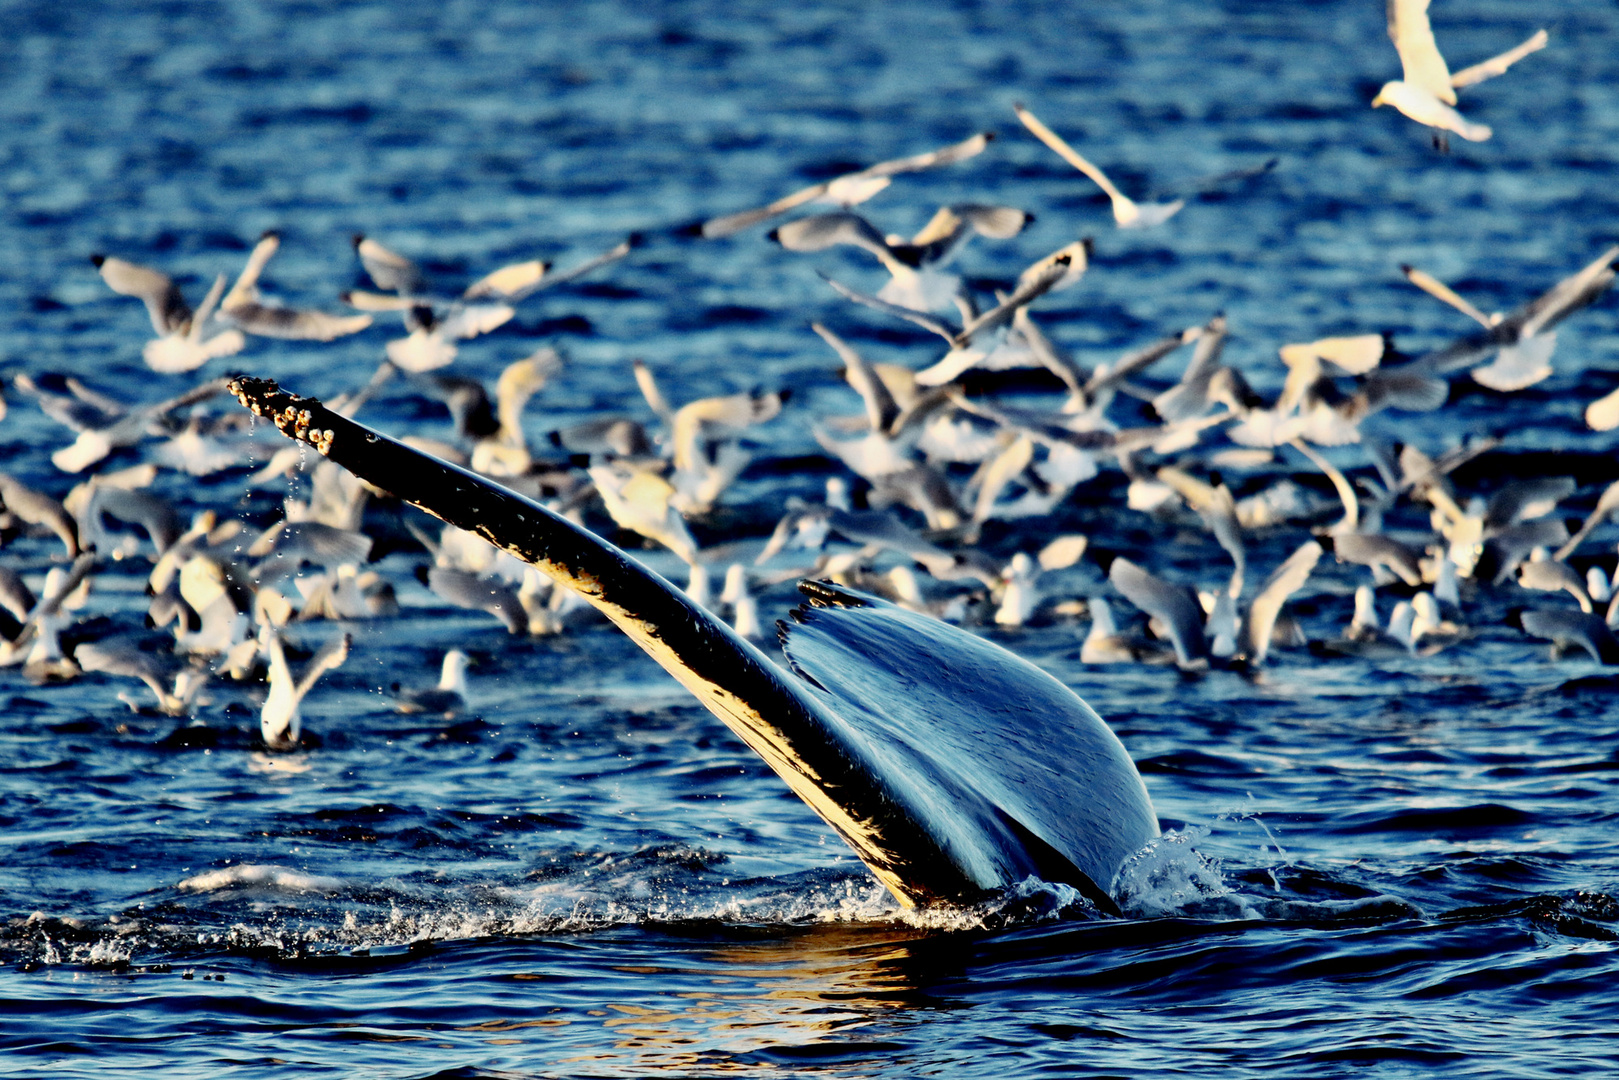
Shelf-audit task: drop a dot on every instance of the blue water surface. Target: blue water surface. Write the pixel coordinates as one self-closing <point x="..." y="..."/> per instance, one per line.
<point x="1382" y="865"/>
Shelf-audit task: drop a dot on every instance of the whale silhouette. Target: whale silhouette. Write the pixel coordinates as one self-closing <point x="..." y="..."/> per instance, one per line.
<point x="952" y="767"/>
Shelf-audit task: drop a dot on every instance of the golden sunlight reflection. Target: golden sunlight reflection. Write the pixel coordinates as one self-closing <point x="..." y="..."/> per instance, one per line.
<point x="781" y="994"/>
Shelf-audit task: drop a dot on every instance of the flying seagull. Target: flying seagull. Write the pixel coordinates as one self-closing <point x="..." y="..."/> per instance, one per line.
<point x="1426" y="90"/>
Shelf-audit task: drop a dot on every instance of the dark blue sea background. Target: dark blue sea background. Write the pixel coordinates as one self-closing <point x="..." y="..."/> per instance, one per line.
<point x="1386" y="865"/>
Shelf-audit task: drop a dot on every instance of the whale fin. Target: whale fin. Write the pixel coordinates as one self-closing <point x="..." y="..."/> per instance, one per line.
<point x="986" y="772"/>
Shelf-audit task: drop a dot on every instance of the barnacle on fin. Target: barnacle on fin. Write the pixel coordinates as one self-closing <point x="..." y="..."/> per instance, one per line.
<point x="831" y="594"/>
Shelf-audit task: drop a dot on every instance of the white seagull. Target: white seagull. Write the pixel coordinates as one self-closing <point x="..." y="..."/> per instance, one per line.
<point x="1127" y="213"/>
<point x="1426" y="92"/>
<point x="182" y="343"/>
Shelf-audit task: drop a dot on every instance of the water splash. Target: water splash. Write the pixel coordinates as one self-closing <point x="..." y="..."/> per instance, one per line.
<point x="1170" y="877"/>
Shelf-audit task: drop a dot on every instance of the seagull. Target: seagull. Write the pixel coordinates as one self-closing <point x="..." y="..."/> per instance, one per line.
<point x="1266" y="607"/>
<point x="506" y="452"/>
<point x="1380" y="553"/>
<point x="1426" y="91"/>
<point x="434" y="323"/>
<point x="1127" y="213"/>
<point x="1564" y="628"/>
<point x="182" y="342"/>
<point x="132" y="506"/>
<point x="1512" y="545"/>
<point x="448" y="697"/>
<point x="245" y="307"/>
<point x="1401" y="620"/>
<point x="122" y="658"/>
<point x="1020" y="597"/>
<point x="847" y="190"/>
<point x="643" y="501"/>
<point x="1364" y="626"/>
<point x="1059" y="270"/>
<point x="1526" y="327"/>
<point x="36" y="644"/>
<point x="704" y="450"/>
<point x="1523" y="341"/>
<point x="284" y="547"/>
<point x="109" y="425"/>
<point x="915" y="266"/>
<point x="1428" y="624"/>
<point x="1104" y="644"/>
<point x="281" y="719"/>
<point x="1189" y="398"/>
<point x="478" y="593"/>
<point x="1549" y="575"/>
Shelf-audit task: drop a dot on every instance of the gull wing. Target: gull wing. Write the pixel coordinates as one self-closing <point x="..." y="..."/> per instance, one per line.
<point x="932" y="159"/>
<point x="1375" y="549"/>
<point x="467" y="590"/>
<point x="1175" y="605"/>
<point x="205" y="310"/>
<point x="728" y="412"/>
<point x="951" y="226"/>
<point x="331" y="655"/>
<point x="155" y="289"/>
<point x="728" y="224"/>
<point x="1525" y="500"/>
<point x="512" y="283"/>
<point x="521" y="380"/>
<point x="370" y="301"/>
<point x="1565" y="298"/>
<point x="1214" y="504"/>
<point x="1520" y="364"/>
<point x="1356" y="355"/>
<point x="1495" y="65"/>
<point x="1547" y="575"/>
<point x="122" y="658"/>
<point x="16" y="597"/>
<point x="1606" y="505"/>
<point x="920" y="318"/>
<point x="388" y="270"/>
<point x="881" y="409"/>
<point x="1066" y="152"/>
<point x="509" y="282"/>
<point x="292" y="542"/>
<point x="1287" y="579"/>
<point x="1603" y="413"/>
<point x="246" y="287"/>
<point x="1058" y="270"/>
<point x="1139" y="360"/>
<point x="821" y="231"/>
<point x="1439" y="290"/>
<point x="293" y="324"/>
<point x="1565" y="627"/>
<point x="1419" y="53"/>
<point x="1189" y="397"/>
<point x="650" y="390"/>
<point x="1045" y="351"/>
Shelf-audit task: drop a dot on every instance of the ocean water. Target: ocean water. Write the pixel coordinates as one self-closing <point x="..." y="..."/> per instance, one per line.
<point x="1381" y="864"/>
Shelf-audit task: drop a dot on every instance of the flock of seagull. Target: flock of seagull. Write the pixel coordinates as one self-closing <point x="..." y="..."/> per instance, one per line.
<point x="915" y="477"/>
